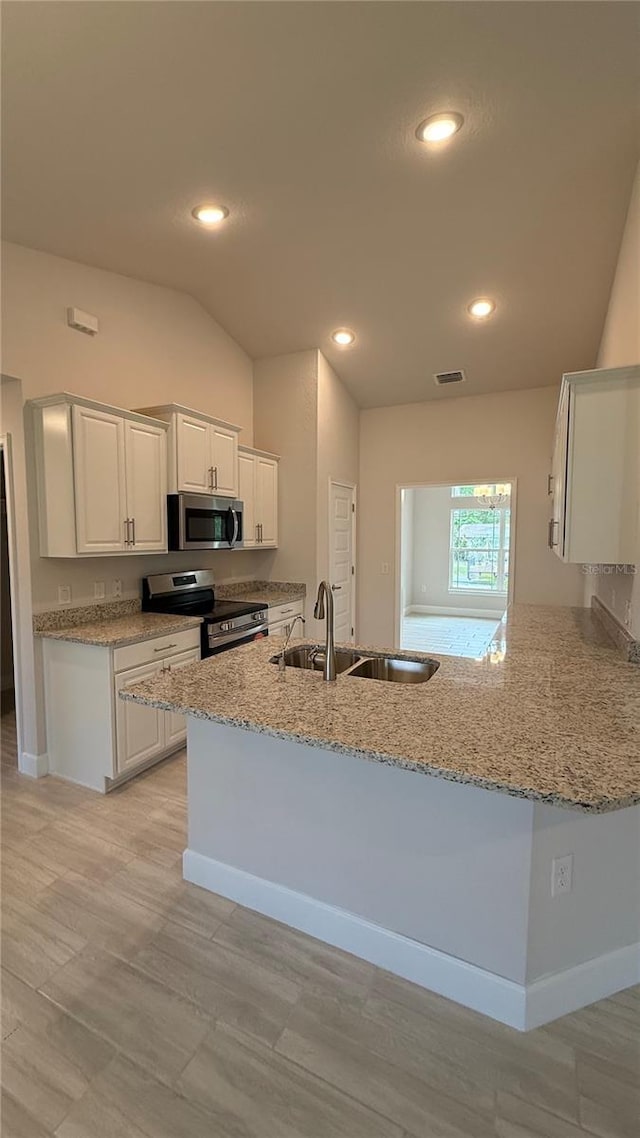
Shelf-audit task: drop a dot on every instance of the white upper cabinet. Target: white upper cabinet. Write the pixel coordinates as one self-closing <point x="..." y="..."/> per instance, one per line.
<point x="247" y="495"/>
<point x="146" y="472"/>
<point x="99" y="481"/>
<point x="102" y="479"/>
<point x="258" y="475"/>
<point x="193" y="447"/>
<point x="203" y="452"/>
<point x="267" y="500"/>
<point x="595" y="468"/>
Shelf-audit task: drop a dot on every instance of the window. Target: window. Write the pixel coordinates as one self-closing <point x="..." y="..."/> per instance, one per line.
<point x="479" y="539"/>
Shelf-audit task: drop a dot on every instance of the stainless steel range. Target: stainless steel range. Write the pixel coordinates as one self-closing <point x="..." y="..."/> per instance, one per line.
<point x="226" y="624"/>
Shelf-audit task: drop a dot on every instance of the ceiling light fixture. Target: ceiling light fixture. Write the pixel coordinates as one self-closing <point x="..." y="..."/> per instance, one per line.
<point x="343" y="337"/>
<point x="481" y="308"/>
<point x="210" y="214"/>
<point x="438" y="128"/>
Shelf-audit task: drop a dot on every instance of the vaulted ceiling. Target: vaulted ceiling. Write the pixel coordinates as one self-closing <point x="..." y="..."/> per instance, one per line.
<point x="301" y="119"/>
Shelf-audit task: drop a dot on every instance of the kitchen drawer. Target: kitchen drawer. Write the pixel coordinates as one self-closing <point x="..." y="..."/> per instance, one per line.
<point x="286" y="612"/>
<point x="133" y="655"/>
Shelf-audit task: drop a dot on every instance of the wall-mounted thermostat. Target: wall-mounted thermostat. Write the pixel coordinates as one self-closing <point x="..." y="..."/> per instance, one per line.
<point x="82" y="321"/>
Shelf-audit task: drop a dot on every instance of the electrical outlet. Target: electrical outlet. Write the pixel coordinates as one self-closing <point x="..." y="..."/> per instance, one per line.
<point x="64" y="594"/>
<point x="99" y="591"/>
<point x="384" y="568"/>
<point x="561" y="875"/>
<point x="117" y="587"/>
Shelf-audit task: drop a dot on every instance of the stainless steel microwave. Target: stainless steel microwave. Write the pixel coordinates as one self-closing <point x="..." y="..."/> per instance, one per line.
<point x="198" y="521"/>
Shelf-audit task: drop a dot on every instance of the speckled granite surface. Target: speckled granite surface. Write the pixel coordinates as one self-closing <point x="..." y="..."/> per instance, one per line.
<point x="628" y="647"/>
<point x="268" y="593"/>
<point x="84" y="614"/>
<point x="128" y="629"/>
<point x="549" y="713"/>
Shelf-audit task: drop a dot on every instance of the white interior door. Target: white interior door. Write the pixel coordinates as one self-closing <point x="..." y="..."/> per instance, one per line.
<point x="99" y="477"/>
<point x="146" y="464"/>
<point x="342" y="558"/>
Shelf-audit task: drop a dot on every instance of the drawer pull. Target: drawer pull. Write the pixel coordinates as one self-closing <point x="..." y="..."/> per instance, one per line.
<point x="165" y="648"/>
<point x="286" y="611"/>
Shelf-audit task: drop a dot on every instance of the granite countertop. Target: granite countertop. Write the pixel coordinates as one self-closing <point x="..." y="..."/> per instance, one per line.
<point x="550" y="713"/>
<point x="267" y="593"/>
<point x="114" y="632"/>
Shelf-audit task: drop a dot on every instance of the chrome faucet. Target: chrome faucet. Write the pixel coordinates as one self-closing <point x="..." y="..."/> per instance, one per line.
<point x="325" y="597"/>
<point x="281" y="659"/>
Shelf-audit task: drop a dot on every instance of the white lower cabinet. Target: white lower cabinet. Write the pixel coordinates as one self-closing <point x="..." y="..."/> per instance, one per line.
<point x="281" y="618"/>
<point x="94" y="737"/>
<point x="143" y="732"/>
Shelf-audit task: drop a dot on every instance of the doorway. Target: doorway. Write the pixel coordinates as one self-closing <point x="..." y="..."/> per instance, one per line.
<point x="8" y="739"/>
<point x="456" y="565"/>
<point x="342" y="565"/>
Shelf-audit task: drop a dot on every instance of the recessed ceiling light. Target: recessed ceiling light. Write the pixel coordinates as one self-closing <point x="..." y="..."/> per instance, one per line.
<point x="343" y="337"/>
<point x="481" y="308"/>
<point x="438" y="128"/>
<point x="210" y="214"/>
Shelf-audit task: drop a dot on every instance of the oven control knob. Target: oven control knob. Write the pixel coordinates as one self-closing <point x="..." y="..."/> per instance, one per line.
<point x="225" y="626"/>
<point x="257" y="616"/>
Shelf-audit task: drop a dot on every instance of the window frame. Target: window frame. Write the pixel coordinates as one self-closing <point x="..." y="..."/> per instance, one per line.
<point x="464" y="502"/>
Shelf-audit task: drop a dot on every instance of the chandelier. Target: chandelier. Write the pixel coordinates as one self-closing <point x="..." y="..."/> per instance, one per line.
<point x="500" y="496"/>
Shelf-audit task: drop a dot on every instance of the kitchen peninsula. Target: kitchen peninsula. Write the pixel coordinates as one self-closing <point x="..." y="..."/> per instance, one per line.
<point x="463" y="832"/>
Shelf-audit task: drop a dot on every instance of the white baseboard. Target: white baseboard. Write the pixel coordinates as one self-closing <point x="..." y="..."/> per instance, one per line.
<point x="568" y="991"/>
<point x="483" y="991"/>
<point x="36" y="766"/>
<point x="513" y="1004"/>
<point x="443" y="610"/>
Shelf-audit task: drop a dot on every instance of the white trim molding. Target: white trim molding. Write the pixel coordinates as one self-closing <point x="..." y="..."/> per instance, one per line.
<point x="445" y="610"/>
<point x="35" y="766"/>
<point x="519" y="1006"/>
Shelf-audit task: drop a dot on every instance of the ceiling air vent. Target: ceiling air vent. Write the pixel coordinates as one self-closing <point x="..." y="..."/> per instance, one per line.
<point x="442" y="377"/>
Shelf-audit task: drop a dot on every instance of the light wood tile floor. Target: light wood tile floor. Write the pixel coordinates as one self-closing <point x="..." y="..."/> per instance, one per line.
<point x="135" y="1005"/>
<point x="449" y="635"/>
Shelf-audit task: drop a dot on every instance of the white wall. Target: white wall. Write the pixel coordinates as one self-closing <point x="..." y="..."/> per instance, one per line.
<point x="286" y="415"/>
<point x="338" y="449"/>
<point x="454" y="440"/>
<point x="304" y="413"/>
<point x="620" y="345"/>
<point x="28" y="694"/>
<point x="155" y="345"/>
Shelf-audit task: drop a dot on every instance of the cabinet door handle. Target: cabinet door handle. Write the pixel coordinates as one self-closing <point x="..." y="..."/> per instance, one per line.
<point x="165" y="648"/>
<point x="126" y="531"/>
<point x="336" y="588"/>
<point x="133" y="531"/>
<point x="549" y="484"/>
<point x="552" y="523"/>
<point x="214" y="475"/>
<point x="261" y="534"/>
<point x="257" y="532"/>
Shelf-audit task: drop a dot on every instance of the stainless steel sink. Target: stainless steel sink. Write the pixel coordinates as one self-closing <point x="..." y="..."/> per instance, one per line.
<point x="311" y="657"/>
<point x="395" y="671"/>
